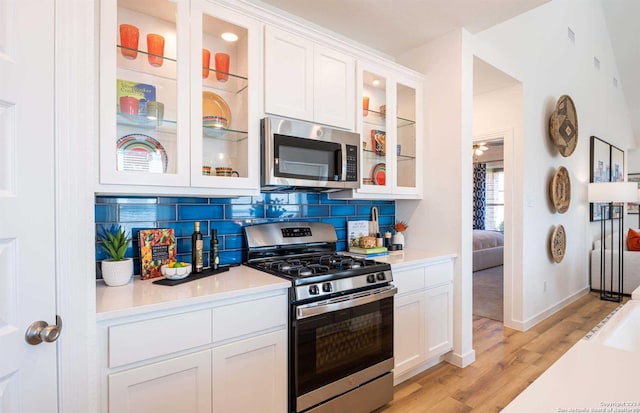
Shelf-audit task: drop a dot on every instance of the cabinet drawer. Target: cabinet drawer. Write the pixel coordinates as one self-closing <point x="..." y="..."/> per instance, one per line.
<point x="159" y="336"/>
<point x="409" y="280"/>
<point x="240" y="319"/>
<point x="439" y="274"/>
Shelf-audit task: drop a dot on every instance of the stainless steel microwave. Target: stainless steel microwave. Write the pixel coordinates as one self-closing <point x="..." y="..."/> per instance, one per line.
<point x="297" y="154"/>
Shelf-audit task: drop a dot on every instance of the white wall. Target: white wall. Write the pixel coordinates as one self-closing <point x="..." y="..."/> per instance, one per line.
<point x="533" y="48"/>
<point x="440" y="222"/>
<point x="552" y="65"/>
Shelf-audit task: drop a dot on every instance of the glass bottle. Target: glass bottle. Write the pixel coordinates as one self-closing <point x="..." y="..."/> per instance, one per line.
<point x="215" y="259"/>
<point x="196" y="249"/>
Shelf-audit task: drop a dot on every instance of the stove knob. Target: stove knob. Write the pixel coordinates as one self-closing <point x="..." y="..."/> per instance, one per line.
<point x="381" y="276"/>
<point x="314" y="290"/>
<point x="371" y="278"/>
<point x="326" y="287"/>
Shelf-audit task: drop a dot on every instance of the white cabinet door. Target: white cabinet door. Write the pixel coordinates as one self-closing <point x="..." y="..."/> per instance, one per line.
<point x="288" y="75"/>
<point x="334" y="88"/>
<point x="409" y="331"/>
<point x="439" y="320"/>
<point x="182" y="384"/>
<point x="251" y="375"/>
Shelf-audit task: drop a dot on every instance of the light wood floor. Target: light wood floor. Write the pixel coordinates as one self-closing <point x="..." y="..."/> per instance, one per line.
<point x="507" y="361"/>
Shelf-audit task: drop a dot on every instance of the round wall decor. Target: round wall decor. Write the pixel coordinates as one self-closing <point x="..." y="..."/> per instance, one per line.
<point x="560" y="190"/>
<point x="558" y="243"/>
<point x="563" y="126"/>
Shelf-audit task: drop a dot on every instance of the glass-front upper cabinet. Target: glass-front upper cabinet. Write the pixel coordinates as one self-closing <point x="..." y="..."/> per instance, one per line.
<point x="391" y="130"/>
<point x="225" y="125"/>
<point x="143" y="122"/>
<point x="179" y="106"/>
<point x="406" y="138"/>
<point x="374" y="132"/>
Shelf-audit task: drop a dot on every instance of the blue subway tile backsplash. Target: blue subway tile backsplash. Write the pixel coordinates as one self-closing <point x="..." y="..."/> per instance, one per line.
<point x="227" y="216"/>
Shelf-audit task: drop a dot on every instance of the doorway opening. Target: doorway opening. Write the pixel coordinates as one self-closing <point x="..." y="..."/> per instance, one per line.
<point x="497" y="122"/>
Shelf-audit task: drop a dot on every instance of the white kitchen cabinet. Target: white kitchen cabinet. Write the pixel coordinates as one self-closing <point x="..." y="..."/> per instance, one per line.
<point x="439" y="307"/>
<point x="181" y="384"/>
<point x="307" y="81"/>
<point x="409" y="347"/>
<point x="199" y="358"/>
<point x="169" y="118"/>
<point x="423" y="318"/>
<point x="390" y="123"/>
<point x="253" y="364"/>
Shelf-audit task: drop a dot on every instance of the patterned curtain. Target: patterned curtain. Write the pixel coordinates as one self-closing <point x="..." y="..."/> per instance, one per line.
<point x="479" y="194"/>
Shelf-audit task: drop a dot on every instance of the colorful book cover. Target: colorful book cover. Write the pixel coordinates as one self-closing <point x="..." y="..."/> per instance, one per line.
<point x="157" y="247"/>
<point x="135" y="90"/>
<point x="357" y="229"/>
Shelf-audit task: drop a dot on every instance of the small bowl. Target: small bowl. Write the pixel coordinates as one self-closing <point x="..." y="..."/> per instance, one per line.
<point x="175" y="273"/>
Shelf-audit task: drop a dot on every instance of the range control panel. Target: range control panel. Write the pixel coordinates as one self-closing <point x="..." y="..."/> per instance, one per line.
<point x="296" y="232"/>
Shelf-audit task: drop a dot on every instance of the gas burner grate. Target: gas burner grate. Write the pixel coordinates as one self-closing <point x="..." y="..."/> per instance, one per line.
<point x="307" y="269"/>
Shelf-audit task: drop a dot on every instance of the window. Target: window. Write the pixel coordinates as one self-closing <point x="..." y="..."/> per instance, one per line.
<point x="494" y="214"/>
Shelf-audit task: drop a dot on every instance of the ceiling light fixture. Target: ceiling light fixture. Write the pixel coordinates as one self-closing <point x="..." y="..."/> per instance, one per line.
<point x="229" y="37"/>
<point x="478" y="150"/>
<point x="376" y="82"/>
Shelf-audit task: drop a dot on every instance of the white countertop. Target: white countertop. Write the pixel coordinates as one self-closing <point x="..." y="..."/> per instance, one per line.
<point x="590" y="377"/>
<point x="139" y="296"/>
<point x="412" y="256"/>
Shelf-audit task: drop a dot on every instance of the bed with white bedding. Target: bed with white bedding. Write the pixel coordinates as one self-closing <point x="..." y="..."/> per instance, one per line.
<point x="488" y="249"/>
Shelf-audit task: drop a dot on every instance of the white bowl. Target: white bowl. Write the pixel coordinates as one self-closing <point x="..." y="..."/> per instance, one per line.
<point x="175" y="273"/>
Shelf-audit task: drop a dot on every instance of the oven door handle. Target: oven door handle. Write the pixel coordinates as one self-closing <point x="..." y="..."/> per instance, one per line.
<point x="310" y="310"/>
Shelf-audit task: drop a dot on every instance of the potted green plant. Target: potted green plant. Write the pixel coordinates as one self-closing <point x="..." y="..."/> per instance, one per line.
<point x="116" y="270"/>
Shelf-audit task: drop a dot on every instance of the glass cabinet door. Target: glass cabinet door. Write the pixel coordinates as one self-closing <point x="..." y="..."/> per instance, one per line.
<point x="374" y="133"/>
<point x="144" y="75"/>
<point x="221" y="155"/>
<point x="406" y="137"/>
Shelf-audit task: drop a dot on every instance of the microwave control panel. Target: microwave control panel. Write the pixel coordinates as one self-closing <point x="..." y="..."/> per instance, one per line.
<point x="352" y="163"/>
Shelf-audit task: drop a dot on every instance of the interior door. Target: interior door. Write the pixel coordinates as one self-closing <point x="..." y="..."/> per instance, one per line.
<point x="28" y="380"/>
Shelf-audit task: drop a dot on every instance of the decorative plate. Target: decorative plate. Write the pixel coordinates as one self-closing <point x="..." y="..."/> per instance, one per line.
<point x="560" y="190"/>
<point x="215" y="111"/>
<point x="378" y="174"/>
<point x="137" y="152"/>
<point x="558" y="243"/>
<point x="563" y="126"/>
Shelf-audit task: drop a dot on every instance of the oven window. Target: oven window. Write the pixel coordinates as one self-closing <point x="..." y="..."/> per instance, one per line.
<point x="334" y="345"/>
<point x="303" y="158"/>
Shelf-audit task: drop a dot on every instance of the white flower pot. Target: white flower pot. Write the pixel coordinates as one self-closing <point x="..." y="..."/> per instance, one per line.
<point x="398" y="238"/>
<point x="116" y="273"/>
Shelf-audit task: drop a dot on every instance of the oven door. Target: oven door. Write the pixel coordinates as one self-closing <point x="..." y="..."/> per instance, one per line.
<point x="341" y="344"/>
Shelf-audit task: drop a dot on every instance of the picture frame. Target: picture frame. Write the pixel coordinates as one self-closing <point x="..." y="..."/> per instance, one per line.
<point x="632" y="207"/>
<point x="600" y="171"/>
<point x="617" y="174"/>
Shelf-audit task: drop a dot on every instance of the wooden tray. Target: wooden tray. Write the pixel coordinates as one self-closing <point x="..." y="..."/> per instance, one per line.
<point x="563" y="126"/>
<point x="558" y="243"/>
<point x="560" y="190"/>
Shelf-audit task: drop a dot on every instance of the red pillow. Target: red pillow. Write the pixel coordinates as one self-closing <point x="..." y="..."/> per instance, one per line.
<point x="633" y="240"/>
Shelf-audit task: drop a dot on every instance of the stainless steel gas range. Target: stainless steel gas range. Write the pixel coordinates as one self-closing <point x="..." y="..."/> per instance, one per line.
<point x="340" y="318"/>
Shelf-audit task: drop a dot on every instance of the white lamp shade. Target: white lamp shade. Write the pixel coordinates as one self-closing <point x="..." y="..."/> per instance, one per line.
<point x="613" y="192"/>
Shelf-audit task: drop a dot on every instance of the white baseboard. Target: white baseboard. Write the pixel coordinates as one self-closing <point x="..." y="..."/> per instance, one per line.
<point x="461" y="360"/>
<point x="526" y="325"/>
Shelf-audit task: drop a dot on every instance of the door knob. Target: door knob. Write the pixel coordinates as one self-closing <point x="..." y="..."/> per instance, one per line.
<point x="40" y="331"/>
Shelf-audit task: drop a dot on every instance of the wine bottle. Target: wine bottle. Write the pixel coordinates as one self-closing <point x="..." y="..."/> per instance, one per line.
<point x="215" y="259"/>
<point x="196" y="249"/>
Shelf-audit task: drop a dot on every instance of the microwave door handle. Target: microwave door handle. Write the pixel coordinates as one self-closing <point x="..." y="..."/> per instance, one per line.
<point x="339" y="162"/>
